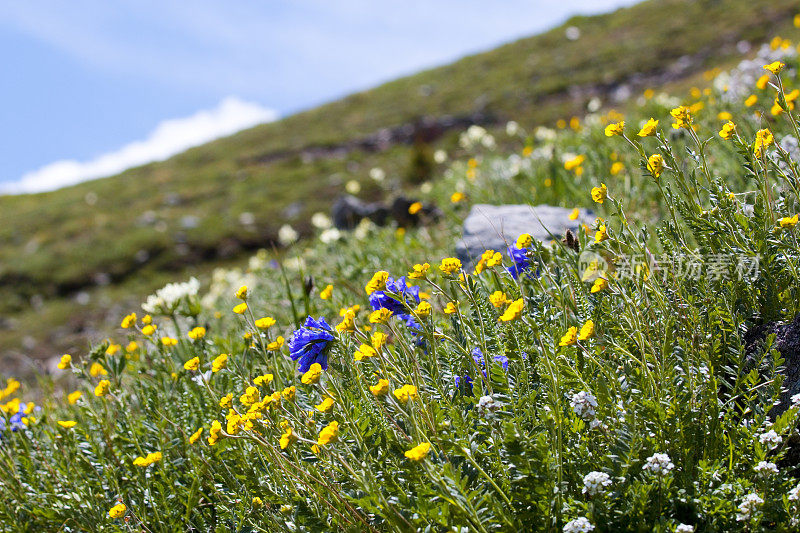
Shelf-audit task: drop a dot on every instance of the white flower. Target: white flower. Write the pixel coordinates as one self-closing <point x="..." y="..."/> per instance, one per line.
<point x="771" y="439"/>
<point x="750" y="504"/>
<point x="377" y="174"/>
<point x="330" y="235"/>
<point x="579" y="525"/>
<point x="440" y="156"/>
<point x="167" y="299"/>
<point x="572" y="33"/>
<point x="684" y="528"/>
<point x="544" y="134"/>
<point x="512" y="128"/>
<point x="353" y="187"/>
<point x="595" y="483"/>
<point x="796" y="400"/>
<point x="794" y="494"/>
<point x="765" y="469"/>
<point x="658" y="463"/>
<point x="287" y="235"/>
<point x="320" y="221"/>
<point x="487" y="406"/>
<point x="584" y="404"/>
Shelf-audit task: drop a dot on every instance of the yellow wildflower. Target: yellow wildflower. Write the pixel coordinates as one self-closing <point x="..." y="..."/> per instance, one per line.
<point x="751" y="100"/>
<point x="73" y="397"/>
<point x="102" y="388"/>
<point x="457" y="197"/>
<point x="616" y="168"/>
<point x="599" y="194"/>
<point x="599" y="285"/>
<point x="450" y="308"/>
<point x="380" y="388"/>
<point x="118" y="511"/>
<point x="419" y="452"/>
<point x="513" y="311"/>
<point x="147" y="319"/>
<point x="575" y="214"/>
<point x="587" y="331"/>
<point x="169" y="341"/>
<point x="257" y="502"/>
<point x="655" y="164"/>
<point x="240" y="309"/>
<point x="724" y="115"/>
<point x="132" y="347"/>
<point x="276" y="344"/>
<point x="329" y="434"/>
<point x="219" y="362"/>
<point x="763" y="139"/>
<point x="128" y="321"/>
<point x="241" y="292"/>
<point x="288" y="393"/>
<point x="67" y="423"/>
<point x="149" y="329"/>
<point x="326" y="292"/>
<point x="312" y="375"/>
<point x="682" y="116"/>
<point x="251" y="395"/>
<point x="365" y="351"/>
<point x="727" y="131"/>
<point x="113" y="349"/>
<point x="788" y="222"/>
<point x="524" y="241"/>
<point x="97" y="370"/>
<point x="419" y="271"/>
<point x="450" y="265"/>
<point x="325" y="406"/>
<point x="378" y="282"/>
<point x="570" y="337"/>
<point x="215" y="433"/>
<point x="65" y="361"/>
<point x="197" y="333"/>
<point x="192" y="364"/>
<point x="615" y="129"/>
<point x="226" y="401"/>
<point x="601" y="234"/>
<point x="499" y="299"/>
<point x="378" y="340"/>
<point x="266" y="379"/>
<point x="775" y="67"/>
<point x="423" y="310"/>
<point x="288" y="437"/>
<point x="379" y="316"/>
<point x="575" y="162"/>
<point x="195" y="436"/>
<point x="414" y="208"/>
<point x="405" y="393"/>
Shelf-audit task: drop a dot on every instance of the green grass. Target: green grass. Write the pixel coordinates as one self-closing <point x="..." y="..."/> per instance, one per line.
<point x="54" y="244"/>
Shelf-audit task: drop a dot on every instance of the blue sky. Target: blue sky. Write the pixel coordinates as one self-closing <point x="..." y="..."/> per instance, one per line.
<point x="89" y="84"/>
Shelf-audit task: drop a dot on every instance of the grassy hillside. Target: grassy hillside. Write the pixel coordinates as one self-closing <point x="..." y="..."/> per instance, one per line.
<point x="149" y="224"/>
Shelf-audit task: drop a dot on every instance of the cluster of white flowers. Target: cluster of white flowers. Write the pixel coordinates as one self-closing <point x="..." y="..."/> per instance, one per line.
<point x="320" y="220"/>
<point x="750" y="504"/>
<point x="796" y="400"/>
<point x="287" y="235"/>
<point x="770" y="439"/>
<point x="487" y="406"/>
<point x="794" y="494"/>
<point x="509" y="167"/>
<point x="330" y="235"/>
<point x="585" y="405"/>
<point x="353" y="187"/>
<point x="579" y="525"/>
<point x="765" y="469"/>
<point x="738" y="83"/>
<point x="658" y="463"/>
<point x="595" y="483"/>
<point x="167" y="299"/>
<point x="512" y="128"/>
<point x="440" y="156"/>
<point x="476" y="136"/>
<point x="684" y="528"/>
<point x="223" y="284"/>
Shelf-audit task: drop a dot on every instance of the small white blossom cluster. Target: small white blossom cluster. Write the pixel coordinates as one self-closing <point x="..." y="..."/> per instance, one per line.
<point x="751" y="503"/>
<point x="224" y="283"/>
<point x="658" y="463"/>
<point x="765" y="469"/>
<point x="796" y="400"/>
<point x="320" y="220"/>
<point x="330" y="235"/>
<point x="476" y="136"/>
<point x="794" y="494"/>
<point x="579" y="525"/>
<point x="595" y="483"/>
<point x="585" y="406"/>
<point x="738" y="83"/>
<point x="684" y="528"/>
<point x="167" y="299"/>
<point x="377" y="174"/>
<point x="287" y="235"/>
<point x="487" y="406"/>
<point x="770" y="439"/>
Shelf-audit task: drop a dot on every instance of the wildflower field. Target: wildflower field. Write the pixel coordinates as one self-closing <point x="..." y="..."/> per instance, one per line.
<point x="607" y="380"/>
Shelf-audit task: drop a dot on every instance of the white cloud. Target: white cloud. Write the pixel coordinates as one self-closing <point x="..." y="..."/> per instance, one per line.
<point x="170" y="137"/>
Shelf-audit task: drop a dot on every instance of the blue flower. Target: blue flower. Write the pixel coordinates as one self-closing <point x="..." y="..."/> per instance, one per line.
<point x="521" y="262"/>
<point x="500" y="359"/>
<point x="464" y="383"/>
<point x="398" y="287"/>
<point x="309" y="343"/>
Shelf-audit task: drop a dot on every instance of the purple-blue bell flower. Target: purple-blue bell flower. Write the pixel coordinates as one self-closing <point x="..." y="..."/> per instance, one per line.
<point x="520" y="260"/>
<point x="382" y="300"/>
<point x="309" y="343"/>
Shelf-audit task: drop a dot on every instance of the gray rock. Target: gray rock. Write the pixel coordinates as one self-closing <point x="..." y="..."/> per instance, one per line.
<point x="494" y="227"/>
